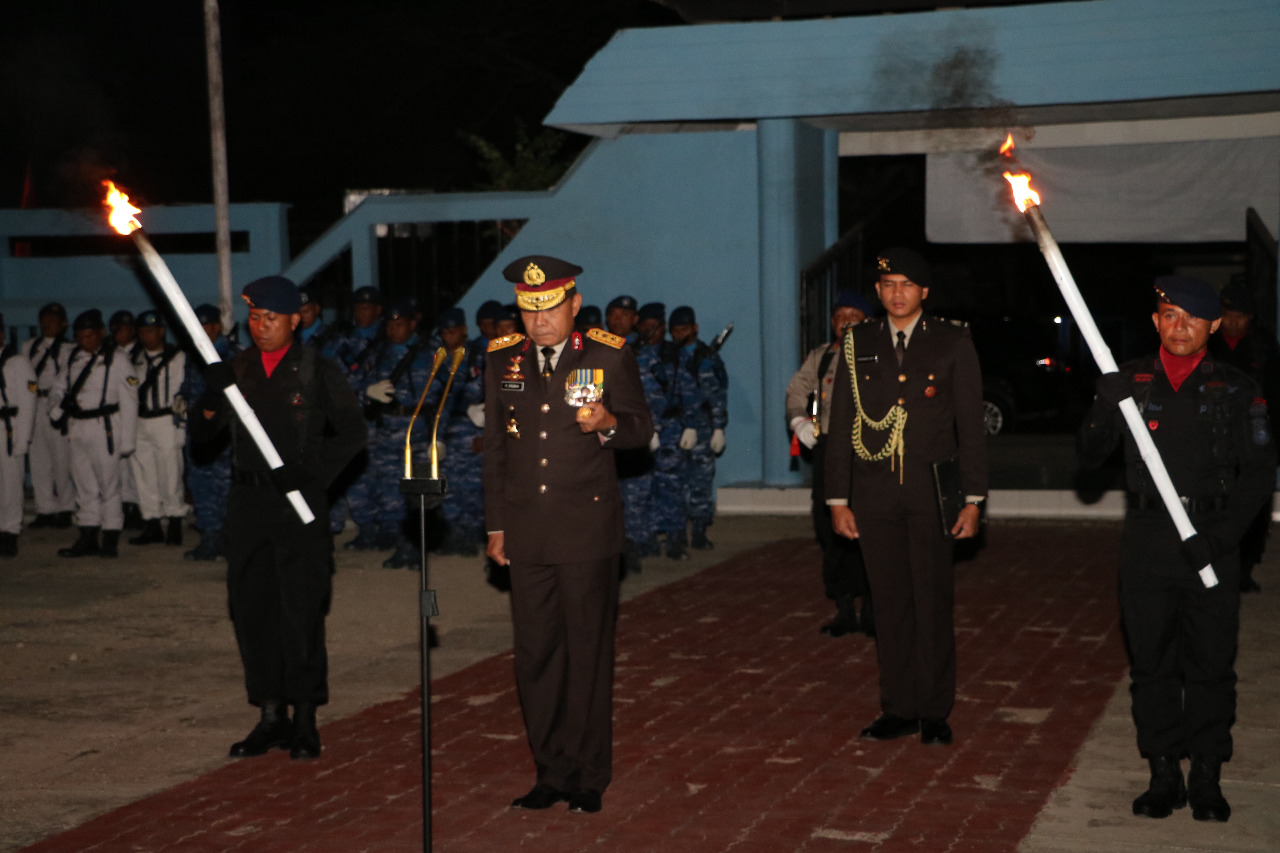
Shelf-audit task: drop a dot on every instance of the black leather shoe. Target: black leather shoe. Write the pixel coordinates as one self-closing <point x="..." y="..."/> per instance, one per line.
<point x="1166" y="792"/>
<point x="935" y="731"/>
<point x="304" y="738"/>
<point x="271" y="732"/>
<point x="888" y="727"/>
<point x="1204" y="791"/>
<point x="584" y="801"/>
<point x="543" y="796"/>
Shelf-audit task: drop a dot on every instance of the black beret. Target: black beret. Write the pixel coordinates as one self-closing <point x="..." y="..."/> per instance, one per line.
<point x="1193" y="295"/>
<point x="150" y="317"/>
<point x="653" y="311"/>
<point x="91" y="319"/>
<point x="54" y="308"/>
<point x="207" y="313"/>
<point x="489" y="310"/>
<point x="900" y="261"/>
<point x="367" y="295"/>
<point x="589" y="315"/>
<point x="510" y="312"/>
<point x="682" y="316"/>
<point x="853" y="299"/>
<point x="1236" y="297"/>
<point x="627" y="303"/>
<point x="451" y="318"/>
<point x="273" y="293"/>
<point x="308" y="294"/>
<point x="122" y="318"/>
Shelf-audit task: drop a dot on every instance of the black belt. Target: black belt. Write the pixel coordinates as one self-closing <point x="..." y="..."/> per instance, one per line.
<point x="88" y="414"/>
<point x="8" y="412"/>
<point x="1216" y="503"/>
<point x="245" y="477"/>
<point x="44" y="393"/>
<point x="155" y="413"/>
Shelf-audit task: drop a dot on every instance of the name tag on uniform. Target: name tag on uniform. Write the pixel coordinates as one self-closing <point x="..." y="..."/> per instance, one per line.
<point x="512" y="386"/>
<point x="868" y="359"/>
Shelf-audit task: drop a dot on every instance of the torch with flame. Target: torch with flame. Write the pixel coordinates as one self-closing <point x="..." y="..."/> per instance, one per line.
<point x="1028" y="201"/>
<point x="122" y="219"/>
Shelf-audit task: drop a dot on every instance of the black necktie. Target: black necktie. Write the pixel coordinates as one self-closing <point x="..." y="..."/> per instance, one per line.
<point x="547" y="354"/>
<point x="901" y="349"/>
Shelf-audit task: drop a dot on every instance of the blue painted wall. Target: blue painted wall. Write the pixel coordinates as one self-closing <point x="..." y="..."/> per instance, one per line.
<point x="115" y="281"/>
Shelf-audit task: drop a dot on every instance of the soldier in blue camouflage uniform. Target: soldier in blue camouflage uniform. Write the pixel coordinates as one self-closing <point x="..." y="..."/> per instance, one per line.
<point x="311" y="331"/>
<point x="666" y="387"/>
<point x="461" y="435"/>
<point x="635" y="465"/>
<point x="208" y="465"/>
<point x="706" y="414"/>
<point x="392" y="379"/>
<point x="352" y="346"/>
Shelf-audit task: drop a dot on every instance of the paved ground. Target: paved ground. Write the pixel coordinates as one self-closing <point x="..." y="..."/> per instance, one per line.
<point x="736" y="722"/>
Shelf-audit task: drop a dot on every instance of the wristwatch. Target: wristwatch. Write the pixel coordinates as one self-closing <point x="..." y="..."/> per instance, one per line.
<point x="610" y="432"/>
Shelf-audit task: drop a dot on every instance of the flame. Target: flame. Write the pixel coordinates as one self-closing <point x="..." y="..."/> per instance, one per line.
<point x="1008" y="144"/>
<point x="122" y="212"/>
<point x="1023" y="195"/>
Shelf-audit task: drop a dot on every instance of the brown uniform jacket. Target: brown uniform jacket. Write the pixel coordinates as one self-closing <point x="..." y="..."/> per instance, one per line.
<point x="551" y="489"/>
<point x="940" y="386"/>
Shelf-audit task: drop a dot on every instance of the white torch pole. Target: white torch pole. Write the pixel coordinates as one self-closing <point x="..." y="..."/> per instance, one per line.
<point x="178" y="300"/>
<point x="1107" y="364"/>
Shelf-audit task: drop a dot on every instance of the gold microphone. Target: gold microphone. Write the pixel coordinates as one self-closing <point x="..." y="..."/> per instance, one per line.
<point x="458" y="355"/>
<point x="408" y="452"/>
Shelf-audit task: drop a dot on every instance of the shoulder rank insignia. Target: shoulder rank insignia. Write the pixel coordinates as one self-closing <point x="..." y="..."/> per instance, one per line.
<point x="606" y="338"/>
<point x="959" y="324"/>
<point x="505" y="341"/>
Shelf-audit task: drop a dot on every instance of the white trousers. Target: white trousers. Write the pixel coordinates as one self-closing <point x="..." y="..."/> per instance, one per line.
<point x="50" y="459"/>
<point x="96" y="474"/>
<point x="157" y="468"/>
<point x="11" y="477"/>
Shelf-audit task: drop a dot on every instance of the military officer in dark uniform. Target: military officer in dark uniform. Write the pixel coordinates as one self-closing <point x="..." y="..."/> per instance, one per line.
<point x="907" y="394"/>
<point x="278" y="569"/>
<point x="1209" y="422"/>
<point x="557" y="404"/>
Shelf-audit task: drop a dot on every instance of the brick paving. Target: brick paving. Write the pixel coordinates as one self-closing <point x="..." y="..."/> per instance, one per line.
<point x="735" y="729"/>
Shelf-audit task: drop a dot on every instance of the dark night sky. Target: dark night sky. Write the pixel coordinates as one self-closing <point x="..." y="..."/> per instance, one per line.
<point x="321" y="95"/>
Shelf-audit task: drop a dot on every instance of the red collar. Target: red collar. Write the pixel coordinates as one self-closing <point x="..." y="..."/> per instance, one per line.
<point x="1179" y="367"/>
<point x="271" y="360"/>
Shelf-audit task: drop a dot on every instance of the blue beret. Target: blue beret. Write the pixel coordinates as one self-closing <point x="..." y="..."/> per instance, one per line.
<point x="207" y="313"/>
<point x="854" y="299"/>
<point x="91" y="319"/>
<point x="1193" y="295"/>
<point x="121" y="318"/>
<point x="367" y="294"/>
<point x="309" y="294"/>
<point x="451" y="318"/>
<point x="150" y="318"/>
<point x="589" y="315"/>
<point x="273" y="293"/>
<point x="627" y="303"/>
<point x="490" y="310"/>
<point x="682" y="316"/>
<point x="900" y="261"/>
<point x="653" y="311"/>
<point x="510" y="312"/>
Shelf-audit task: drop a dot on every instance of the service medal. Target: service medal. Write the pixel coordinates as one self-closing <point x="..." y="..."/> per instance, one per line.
<point x="585" y="385"/>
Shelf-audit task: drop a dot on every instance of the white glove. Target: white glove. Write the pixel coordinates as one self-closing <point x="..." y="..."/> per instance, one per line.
<point x="439" y="451"/>
<point x="381" y="392"/>
<point x="717" y="442"/>
<point x="689" y="439"/>
<point x="179" y="405"/>
<point x="654" y="443"/>
<point x="805" y="432"/>
<point x="476" y="413"/>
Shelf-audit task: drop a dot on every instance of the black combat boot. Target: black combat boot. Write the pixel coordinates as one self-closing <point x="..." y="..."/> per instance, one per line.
<point x="406" y="556"/>
<point x="46" y="521"/>
<point x="846" y="621"/>
<point x="366" y="539"/>
<point x="8" y="544"/>
<point x="85" y="546"/>
<point x="110" y="544"/>
<point x="174" y="534"/>
<point x="273" y="731"/>
<point x="133" y="519"/>
<point x="305" y="742"/>
<point x="676" y="548"/>
<point x="1167" y="790"/>
<point x="153" y="531"/>
<point x="1204" y="791"/>
<point x="62" y="520"/>
<point x="208" y="549"/>
<point x="698" y="537"/>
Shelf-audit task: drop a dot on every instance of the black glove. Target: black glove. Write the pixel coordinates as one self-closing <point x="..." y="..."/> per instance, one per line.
<point x="1113" y="388"/>
<point x="218" y="376"/>
<point x="1197" y="551"/>
<point x="289" y="478"/>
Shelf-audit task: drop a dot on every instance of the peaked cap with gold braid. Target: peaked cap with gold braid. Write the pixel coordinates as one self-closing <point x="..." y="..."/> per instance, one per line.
<point x="542" y="282"/>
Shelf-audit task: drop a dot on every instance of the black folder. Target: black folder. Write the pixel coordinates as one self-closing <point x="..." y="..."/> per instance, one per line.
<point x="946" y="482"/>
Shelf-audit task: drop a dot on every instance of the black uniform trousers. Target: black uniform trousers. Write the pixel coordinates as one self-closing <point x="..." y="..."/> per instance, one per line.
<point x="843" y="570"/>
<point x="1181" y="639"/>
<point x="564" y="617"/>
<point x="909" y="566"/>
<point x="279" y="584"/>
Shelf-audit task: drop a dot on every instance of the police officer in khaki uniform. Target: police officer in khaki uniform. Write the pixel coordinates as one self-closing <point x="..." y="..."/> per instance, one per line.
<point x="17" y="420"/>
<point x="96" y="397"/>
<point x="557" y="404"/>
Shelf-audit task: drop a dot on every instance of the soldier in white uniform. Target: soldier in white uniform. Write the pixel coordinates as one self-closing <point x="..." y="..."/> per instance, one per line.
<point x="123" y="328"/>
<point x="96" y="397"/>
<point x="157" y="464"/>
<point x="50" y="453"/>
<point x="17" y="417"/>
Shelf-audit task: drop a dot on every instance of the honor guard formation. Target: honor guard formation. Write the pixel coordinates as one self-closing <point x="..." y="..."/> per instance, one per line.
<point x="576" y="442"/>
